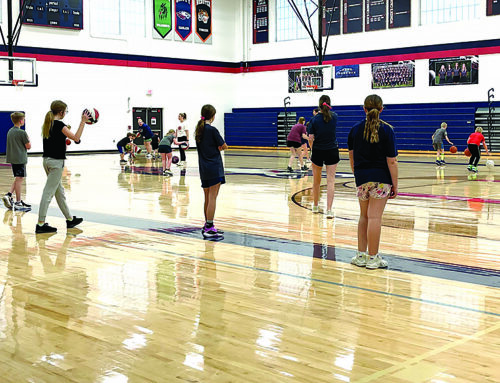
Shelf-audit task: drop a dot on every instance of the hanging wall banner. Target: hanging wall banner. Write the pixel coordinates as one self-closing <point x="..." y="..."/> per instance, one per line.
<point x="183" y="19"/>
<point x="346" y="71"/>
<point x="331" y="18"/>
<point x="162" y="17"/>
<point x="493" y="7"/>
<point x="260" y="21"/>
<point x="399" y="13"/>
<point x="375" y="15"/>
<point x="203" y="14"/>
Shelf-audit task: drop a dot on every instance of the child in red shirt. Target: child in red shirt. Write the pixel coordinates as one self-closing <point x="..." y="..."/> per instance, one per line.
<point x="473" y="143"/>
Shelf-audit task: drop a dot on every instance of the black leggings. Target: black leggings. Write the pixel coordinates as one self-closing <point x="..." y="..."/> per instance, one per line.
<point x="182" y="151"/>
<point x="475" y="154"/>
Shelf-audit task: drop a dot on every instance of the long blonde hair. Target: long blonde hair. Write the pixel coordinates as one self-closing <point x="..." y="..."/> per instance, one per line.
<point x="55" y="108"/>
<point x="373" y="105"/>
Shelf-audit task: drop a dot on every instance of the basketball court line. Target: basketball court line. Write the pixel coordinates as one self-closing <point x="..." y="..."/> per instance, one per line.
<point x="421" y="267"/>
<point x="418" y="359"/>
<point x="338" y="284"/>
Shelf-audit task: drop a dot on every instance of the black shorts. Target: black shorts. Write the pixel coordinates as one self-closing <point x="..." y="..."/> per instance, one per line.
<point x="214" y="181"/>
<point x="164" y="149"/>
<point x="325" y="157"/>
<point x="154" y="145"/>
<point x="293" y="144"/>
<point x="19" y="170"/>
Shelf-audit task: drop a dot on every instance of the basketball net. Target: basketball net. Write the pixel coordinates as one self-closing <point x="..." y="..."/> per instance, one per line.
<point x="19" y="84"/>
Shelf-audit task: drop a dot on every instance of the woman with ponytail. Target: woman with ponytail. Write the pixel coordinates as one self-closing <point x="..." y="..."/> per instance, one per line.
<point x="325" y="151"/>
<point x="209" y="144"/>
<point x="372" y="154"/>
<point x="55" y="133"/>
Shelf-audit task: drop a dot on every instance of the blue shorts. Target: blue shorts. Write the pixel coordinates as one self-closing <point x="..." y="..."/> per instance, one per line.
<point x="214" y="181"/>
<point x="120" y="149"/>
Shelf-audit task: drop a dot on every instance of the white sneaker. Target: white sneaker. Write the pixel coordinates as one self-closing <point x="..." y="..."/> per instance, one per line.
<point x="315" y="209"/>
<point x="148" y="156"/>
<point x="329" y="214"/>
<point x="376" y="262"/>
<point x="8" y="201"/>
<point x="359" y="259"/>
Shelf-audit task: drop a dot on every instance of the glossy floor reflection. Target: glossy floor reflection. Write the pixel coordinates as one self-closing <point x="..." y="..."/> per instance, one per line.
<point x="136" y="295"/>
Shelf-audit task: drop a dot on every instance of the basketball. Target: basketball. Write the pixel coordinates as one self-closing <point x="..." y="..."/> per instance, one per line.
<point x="68" y="141"/>
<point x="94" y="115"/>
<point x="175" y="159"/>
<point x="183" y="145"/>
<point x="128" y="147"/>
<point x="490" y="164"/>
<point x="467" y="152"/>
<point x="453" y="149"/>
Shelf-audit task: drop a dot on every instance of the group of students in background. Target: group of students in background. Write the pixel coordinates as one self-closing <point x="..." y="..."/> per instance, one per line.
<point x="157" y="147"/>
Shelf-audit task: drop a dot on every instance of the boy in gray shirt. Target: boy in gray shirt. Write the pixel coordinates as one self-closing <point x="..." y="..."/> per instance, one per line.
<point x="437" y="143"/>
<point x="17" y="145"/>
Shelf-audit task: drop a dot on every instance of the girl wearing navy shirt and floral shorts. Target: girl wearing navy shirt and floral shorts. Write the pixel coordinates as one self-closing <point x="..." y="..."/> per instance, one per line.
<point x="209" y="144"/>
<point x="372" y="154"/>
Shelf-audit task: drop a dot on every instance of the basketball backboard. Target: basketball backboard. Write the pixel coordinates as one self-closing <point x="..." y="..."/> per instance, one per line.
<point x="320" y="77"/>
<point x="18" y="68"/>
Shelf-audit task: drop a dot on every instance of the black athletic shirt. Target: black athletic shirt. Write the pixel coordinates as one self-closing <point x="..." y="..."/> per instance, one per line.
<point x="209" y="157"/>
<point x="124" y="141"/>
<point x="55" y="145"/>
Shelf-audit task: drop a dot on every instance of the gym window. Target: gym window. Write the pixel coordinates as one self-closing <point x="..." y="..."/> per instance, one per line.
<point x="447" y="11"/>
<point x="288" y="26"/>
<point x="118" y="18"/>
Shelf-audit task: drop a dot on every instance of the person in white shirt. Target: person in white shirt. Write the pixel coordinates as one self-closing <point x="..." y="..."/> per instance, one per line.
<point x="182" y="136"/>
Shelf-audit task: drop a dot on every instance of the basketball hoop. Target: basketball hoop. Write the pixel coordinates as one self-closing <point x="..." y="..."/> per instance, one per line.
<point x="19" y="84"/>
<point x="311" y="88"/>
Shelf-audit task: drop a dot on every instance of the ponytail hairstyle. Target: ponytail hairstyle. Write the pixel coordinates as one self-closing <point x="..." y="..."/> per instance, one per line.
<point x="302" y="120"/>
<point x="325" y="107"/>
<point x="207" y="113"/>
<point x="373" y="106"/>
<point x="183" y="115"/>
<point x="55" y="108"/>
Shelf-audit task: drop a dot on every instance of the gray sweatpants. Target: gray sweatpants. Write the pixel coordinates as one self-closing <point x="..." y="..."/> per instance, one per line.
<point x="53" y="168"/>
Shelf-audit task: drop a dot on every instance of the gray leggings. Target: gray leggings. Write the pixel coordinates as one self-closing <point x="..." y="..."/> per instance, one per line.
<point x="53" y="168"/>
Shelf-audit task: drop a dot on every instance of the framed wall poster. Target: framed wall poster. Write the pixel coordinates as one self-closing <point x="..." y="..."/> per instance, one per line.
<point x="260" y="21"/>
<point x="399" y="13"/>
<point x="183" y="20"/>
<point x="399" y="74"/>
<point x="352" y="16"/>
<point x="162" y="20"/>
<point x="59" y="14"/>
<point x="376" y="15"/>
<point x="203" y="15"/>
<point x="461" y="70"/>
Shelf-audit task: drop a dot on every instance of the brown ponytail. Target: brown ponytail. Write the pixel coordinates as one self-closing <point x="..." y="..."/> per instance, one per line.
<point x="373" y="106"/>
<point x="207" y="113"/>
<point x="55" y="108"/>
<point x="325" y="107"/>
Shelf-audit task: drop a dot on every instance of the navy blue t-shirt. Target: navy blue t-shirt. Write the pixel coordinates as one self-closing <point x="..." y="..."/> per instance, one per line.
<point x="325" y="133"/>
<point x="370" y="159"/>
<point x="145" y="131"/>
<point x="209" y="157"/>
<point x="55" y="145"/>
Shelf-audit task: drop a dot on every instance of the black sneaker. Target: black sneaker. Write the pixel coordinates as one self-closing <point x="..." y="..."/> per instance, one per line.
<point x="8" y="201"/>
<point x="20" y="206"/>
<point x="25" y="204"/>
<point x="75" y="221"/>
<point x="289" y="169"/>
<point x="305" y="168"/>
<point x="45" y="228"/>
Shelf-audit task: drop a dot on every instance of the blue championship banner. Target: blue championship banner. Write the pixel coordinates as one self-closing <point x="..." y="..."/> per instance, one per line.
<point x="203" y="14"/>
<point x="183" y="19"/>
<point x="346" y="71"/>
<point x="260" y="21"/>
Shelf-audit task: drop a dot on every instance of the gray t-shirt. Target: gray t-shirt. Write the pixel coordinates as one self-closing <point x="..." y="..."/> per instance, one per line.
<point x="439" y="134"/>
<point x="167" y="140"/>
<point x="16" y="149"/>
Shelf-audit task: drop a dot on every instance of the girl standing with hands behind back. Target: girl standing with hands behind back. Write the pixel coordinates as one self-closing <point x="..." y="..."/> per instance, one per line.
<point x="55" y="132"/>
<point x="209" y="144"/>
<point x="182" y="136"/>
<point x="372" y="154"/>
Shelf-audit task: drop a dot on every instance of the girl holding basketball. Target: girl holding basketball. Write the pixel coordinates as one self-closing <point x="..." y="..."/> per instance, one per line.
<point x="293" y="141"/>
<point x="182" y="136"/>
<point x="325" y="151"/>
<point x="372" y="154"/>
<point x="55" y="132"/>
<point x="474" y="145"/>
<point x="209" y="144"/>
<point x="165" y="150"/>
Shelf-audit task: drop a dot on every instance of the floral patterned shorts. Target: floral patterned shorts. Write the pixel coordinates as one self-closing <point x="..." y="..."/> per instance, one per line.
<point x="373" y="190"/>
